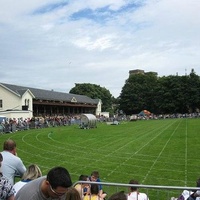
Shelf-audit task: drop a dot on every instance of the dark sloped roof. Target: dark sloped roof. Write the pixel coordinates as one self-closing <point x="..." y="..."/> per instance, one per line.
<point x="21" y="92"/>
<point x="50" y="95"/>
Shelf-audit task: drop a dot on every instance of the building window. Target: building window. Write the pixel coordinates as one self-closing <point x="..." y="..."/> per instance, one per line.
<point x="1" y="103"/>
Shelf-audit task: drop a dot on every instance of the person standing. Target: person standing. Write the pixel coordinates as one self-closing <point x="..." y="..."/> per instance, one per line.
<point x="53" y="186"/>
<point x="12" y="165"/>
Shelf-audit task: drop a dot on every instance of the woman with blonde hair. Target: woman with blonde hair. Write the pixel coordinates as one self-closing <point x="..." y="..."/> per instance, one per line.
<point x="32" y="172"/>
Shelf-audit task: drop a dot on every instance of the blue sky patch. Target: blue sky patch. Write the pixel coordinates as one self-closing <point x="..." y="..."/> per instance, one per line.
<point x="101" y="14"/>
<point x="49" y="8"/>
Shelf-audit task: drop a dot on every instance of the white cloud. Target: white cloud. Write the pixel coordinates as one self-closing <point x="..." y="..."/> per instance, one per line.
<point x="100" y="43"/>
<point x="47" y="49"/>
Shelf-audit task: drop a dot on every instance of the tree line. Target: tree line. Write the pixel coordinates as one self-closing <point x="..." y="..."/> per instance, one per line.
<point x="167" y="94"/>
<point x="159" y="95"/>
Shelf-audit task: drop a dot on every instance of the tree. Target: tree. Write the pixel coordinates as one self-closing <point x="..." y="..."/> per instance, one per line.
<point x="138" y="93"/>
<point x="179" y="94"/>
<point x="193" y="92"/>
<point x="168" y="94"/>
<point x="95" y="92"/>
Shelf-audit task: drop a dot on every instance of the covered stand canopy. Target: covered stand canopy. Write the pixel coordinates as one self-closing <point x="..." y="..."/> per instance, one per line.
<point x="88" y="121"/>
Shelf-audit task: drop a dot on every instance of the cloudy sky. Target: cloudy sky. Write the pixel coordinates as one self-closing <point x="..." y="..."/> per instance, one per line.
<point x="53" y="44"/>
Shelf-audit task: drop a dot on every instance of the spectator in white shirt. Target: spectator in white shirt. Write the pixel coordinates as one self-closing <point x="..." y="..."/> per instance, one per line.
<point x="32" y="172"/>
<point x="134" y="192"/>
<point x="12" y="165"/>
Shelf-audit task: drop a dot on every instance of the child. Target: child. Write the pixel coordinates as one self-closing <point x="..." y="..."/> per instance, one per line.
<point x="95" y="178"/>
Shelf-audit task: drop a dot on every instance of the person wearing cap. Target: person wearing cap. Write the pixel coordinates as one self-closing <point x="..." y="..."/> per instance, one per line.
<point x="12" y="165"/>
<point x="6" y="189"/>
<point x="53" y="186"/>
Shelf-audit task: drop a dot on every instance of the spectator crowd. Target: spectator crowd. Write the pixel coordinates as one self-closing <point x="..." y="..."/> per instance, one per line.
<point x="57" y="184"/>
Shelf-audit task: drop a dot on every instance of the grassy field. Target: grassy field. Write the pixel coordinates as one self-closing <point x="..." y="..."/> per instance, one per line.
<point x="155" y="152"/>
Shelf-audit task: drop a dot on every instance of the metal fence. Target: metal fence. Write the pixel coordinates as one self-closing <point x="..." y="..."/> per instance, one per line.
<point x="154" y="192"/>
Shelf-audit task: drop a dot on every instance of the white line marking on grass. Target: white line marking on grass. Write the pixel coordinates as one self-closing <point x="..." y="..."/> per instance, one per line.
<point x="153" y="138"/>
<point x="49" y="152"/>
<point x="159" y="155"/>
<point x="186" y="152"/>
<point x="135" y="152"/>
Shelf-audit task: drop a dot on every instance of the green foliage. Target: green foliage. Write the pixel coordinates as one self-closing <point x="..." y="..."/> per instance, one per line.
<point x="171" y="94"/>
<point x="95" y="92"/>
<point x="137" y="93"/>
